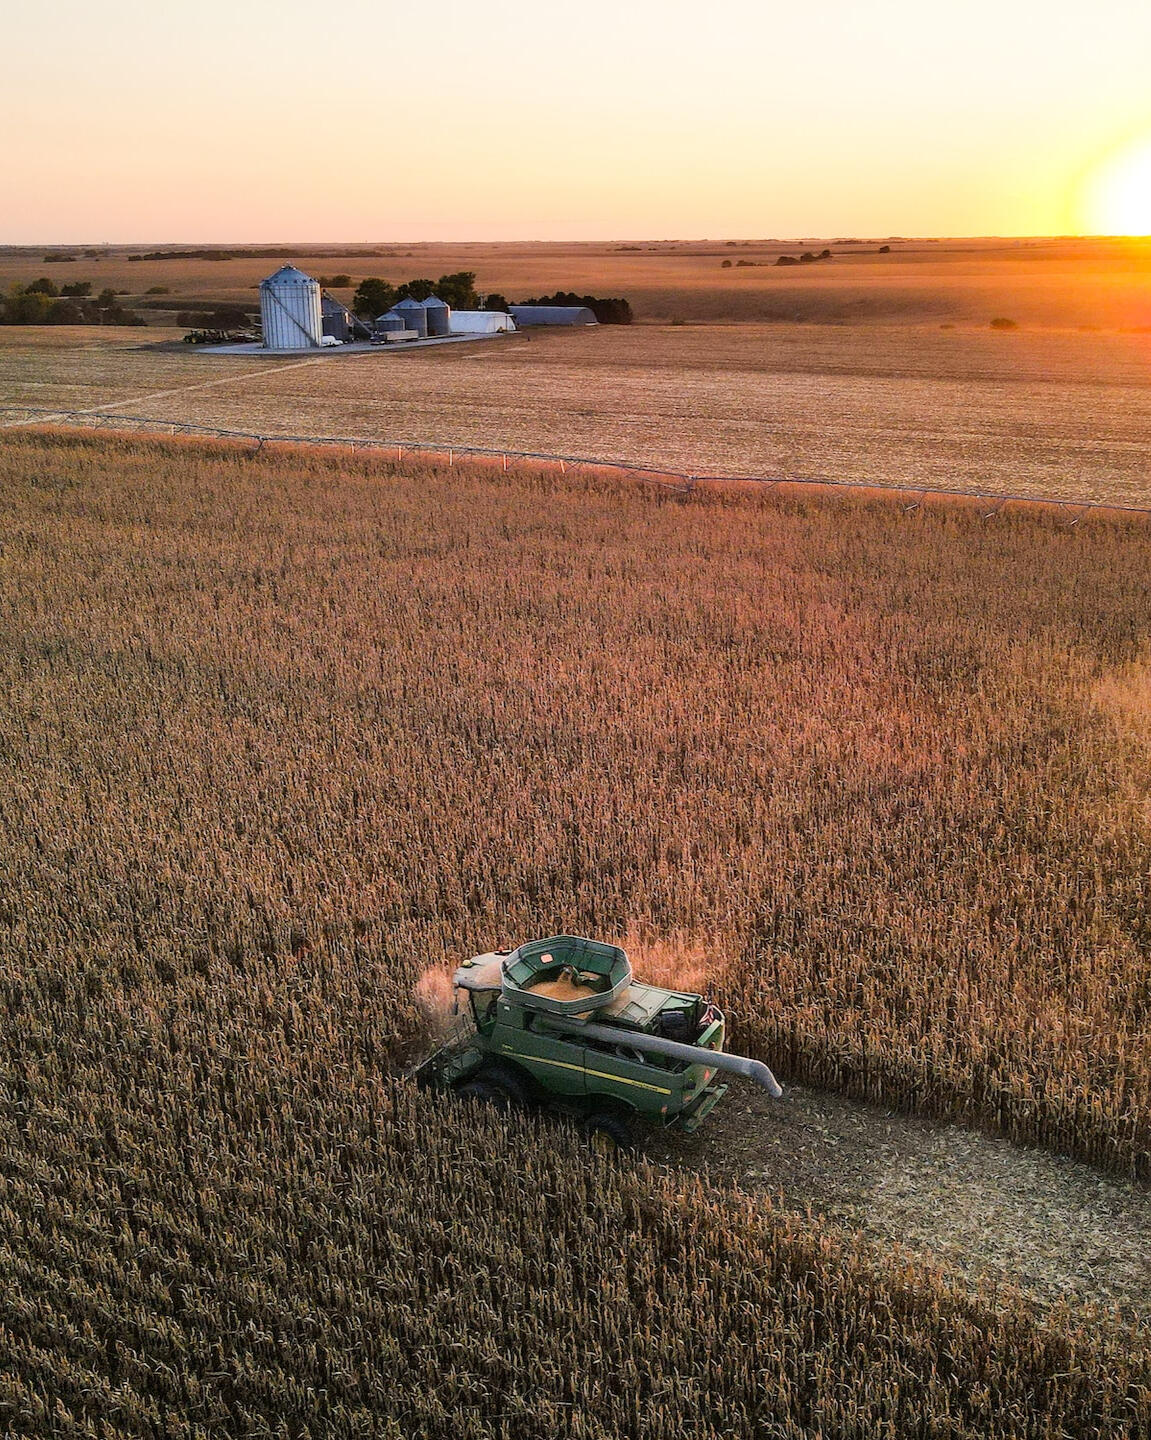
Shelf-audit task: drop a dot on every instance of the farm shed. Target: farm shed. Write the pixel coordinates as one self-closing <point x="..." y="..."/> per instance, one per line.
<point x="552" y="315"/>
<point x="480" y="322"/>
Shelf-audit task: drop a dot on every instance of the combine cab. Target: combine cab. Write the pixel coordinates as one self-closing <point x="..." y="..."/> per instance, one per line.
<point x="562" y="1023"/>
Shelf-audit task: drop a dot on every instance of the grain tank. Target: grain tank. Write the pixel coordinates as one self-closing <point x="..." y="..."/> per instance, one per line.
<point x="414" y="315"/>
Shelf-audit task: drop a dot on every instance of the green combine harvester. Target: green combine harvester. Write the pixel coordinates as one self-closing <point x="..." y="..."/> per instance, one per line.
<point x="561" y="1023"/>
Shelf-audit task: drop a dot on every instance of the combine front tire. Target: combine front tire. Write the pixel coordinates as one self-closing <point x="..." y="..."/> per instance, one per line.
<point x="497" y="1085"/>
<point x="608" y="1134"/>
<point x="484" y="1093"/>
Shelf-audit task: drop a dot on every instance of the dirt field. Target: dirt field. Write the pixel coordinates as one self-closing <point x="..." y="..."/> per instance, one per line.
<point x="1042" y="412"/>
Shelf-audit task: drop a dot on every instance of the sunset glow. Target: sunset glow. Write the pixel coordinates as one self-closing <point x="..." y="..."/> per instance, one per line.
<point x="507" y="119"/>
<point x="1118" y="198"/>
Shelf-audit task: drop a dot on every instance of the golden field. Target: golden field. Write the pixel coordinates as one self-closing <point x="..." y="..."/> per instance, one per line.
<point x="1048" y="283"/>
<point x="285" y="729"/>
<point x="893" y="766"/>
<point x="866" y="368"/>
<point x="1057" y="416"/>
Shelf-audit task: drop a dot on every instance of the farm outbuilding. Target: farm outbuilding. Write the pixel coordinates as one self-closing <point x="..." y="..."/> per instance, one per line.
<point x="297" y="314"/>
<point x="480" y="322"/>
<point x="552" y="315"/>
<point x="290" y="310"/>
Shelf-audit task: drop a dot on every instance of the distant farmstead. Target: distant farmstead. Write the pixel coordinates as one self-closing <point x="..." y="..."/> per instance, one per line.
<point x="298" y="314"/>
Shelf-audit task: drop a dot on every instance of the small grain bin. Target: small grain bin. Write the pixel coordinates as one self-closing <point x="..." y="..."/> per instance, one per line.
<point x="413" y="314"/>
<point x="335" y="318"/>
<point x="390" y="323"/>
<point x="438" y="315"/>
<point x="290" y="310"/>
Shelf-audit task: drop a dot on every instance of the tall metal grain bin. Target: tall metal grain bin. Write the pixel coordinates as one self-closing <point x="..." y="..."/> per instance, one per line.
<point x="415" y="316"/>
<point x="438" y="315"/>
<point x="290" y="310"/>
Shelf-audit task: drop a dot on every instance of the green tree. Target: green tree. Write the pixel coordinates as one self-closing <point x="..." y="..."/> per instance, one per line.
<point x="416" y="290"/>
<point x="374" y="297"/>
<point x="65" y="312"/>
<point x="43" y="286"/>
<point x="458" y="290"/>
<point x="25" y="307"/>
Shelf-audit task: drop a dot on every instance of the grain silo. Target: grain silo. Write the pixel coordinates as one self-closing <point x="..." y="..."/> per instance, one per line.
<point x="290" y="310"/>
<point x="390" y="323"/>
<point x="415" y="316"/>
<point x="439" y="317"/>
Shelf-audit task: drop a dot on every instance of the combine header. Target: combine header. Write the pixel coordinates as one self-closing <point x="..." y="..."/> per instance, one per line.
<point x="562" y="1023"/>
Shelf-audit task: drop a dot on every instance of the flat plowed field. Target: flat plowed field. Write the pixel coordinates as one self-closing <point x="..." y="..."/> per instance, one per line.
<point x="1046" y="412"/>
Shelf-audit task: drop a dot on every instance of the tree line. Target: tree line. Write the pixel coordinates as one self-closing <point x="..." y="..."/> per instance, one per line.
<point x="376" y="297"/>
<point x="44" y="303"/>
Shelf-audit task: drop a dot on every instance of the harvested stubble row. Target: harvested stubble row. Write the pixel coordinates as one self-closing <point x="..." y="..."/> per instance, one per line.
<point x="280" y="730"/>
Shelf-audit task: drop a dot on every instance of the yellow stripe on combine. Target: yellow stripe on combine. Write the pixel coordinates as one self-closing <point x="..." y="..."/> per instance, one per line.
<point x="599" y="1074"/>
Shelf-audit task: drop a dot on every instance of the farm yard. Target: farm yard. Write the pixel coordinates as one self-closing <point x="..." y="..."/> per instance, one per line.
<point x="288" y="728"/>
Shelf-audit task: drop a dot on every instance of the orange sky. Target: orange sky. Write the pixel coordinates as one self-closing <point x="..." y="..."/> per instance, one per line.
<point x="501" y="119"/>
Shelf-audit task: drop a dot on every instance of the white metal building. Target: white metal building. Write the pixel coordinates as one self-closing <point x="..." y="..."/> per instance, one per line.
<point x="480" y="322"/>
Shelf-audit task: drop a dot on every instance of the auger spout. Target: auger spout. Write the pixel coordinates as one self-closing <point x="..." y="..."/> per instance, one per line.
<point x="753" y="1070"/>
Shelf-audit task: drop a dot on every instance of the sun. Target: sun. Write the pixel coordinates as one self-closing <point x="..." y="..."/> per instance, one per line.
<point x="1117" y="197"/>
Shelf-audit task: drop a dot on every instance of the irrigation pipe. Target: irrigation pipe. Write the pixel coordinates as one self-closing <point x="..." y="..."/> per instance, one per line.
<point x="681" y="481"/>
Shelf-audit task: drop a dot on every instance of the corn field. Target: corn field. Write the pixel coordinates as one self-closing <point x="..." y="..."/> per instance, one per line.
<point x="266" y="1240"/>
<point x="281" y="731"/>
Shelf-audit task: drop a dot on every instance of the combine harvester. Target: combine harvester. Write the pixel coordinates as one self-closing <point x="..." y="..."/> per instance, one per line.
<point x="561" y="1023"/>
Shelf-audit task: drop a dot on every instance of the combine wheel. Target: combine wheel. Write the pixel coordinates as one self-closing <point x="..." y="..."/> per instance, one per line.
<point x="510" y="1082"/>
<point x="608" y="1134"/>
<point x="497" y="1085"/>
<point x="484" y="1092"/>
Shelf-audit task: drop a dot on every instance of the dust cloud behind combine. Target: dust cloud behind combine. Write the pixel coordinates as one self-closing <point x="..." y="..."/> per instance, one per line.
<point x="435" y="999"/>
